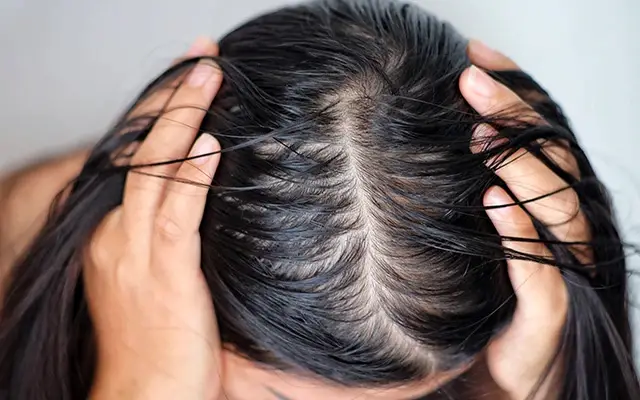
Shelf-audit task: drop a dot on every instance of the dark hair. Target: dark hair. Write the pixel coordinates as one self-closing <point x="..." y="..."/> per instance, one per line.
<point x="344" y="235"/>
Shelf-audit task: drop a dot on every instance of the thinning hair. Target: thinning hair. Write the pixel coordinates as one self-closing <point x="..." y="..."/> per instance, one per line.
<point x="344" y="235"/>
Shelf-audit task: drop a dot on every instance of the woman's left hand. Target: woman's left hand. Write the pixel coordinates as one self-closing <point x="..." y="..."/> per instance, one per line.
<point x="522" y="353"/>
<point x="156" y="330"/>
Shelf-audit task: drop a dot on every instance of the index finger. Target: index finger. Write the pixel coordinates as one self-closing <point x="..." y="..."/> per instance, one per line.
<point x="488" y="58"/>
<point x="169" y="139"/>
<point x="155" y="103"/>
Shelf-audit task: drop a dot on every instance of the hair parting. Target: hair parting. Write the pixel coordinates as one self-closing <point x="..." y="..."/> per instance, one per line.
<point x="344" y="235"/>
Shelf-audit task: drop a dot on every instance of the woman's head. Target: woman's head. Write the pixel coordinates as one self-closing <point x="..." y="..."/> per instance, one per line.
<point x="344" y="239"/>
<point x="345" y="258"/>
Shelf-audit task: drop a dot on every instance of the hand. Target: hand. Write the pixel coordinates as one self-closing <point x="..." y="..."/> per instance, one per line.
<point x="521" y="354"/>
<point x="155" y="325"/>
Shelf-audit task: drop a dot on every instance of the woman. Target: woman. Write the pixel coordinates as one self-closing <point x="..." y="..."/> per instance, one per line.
<point x="330" y="279"/>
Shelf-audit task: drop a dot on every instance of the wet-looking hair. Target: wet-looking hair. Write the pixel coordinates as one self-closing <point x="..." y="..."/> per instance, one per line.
<point x="344" y="236"/>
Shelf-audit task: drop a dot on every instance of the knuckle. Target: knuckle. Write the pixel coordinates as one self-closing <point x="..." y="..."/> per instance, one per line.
<point x="98" y="255"/>
<point x="180" y="116"/>
<point x="167" y="228"/>
<point x="560" y="153"/>
<point x="194" y="176"/>
<point x="146" y="178"/>
<point x="570" y="204"/>
<point x="559" y="209"/>
<point x="167" y="120"/>
<point x="515" y="110"/>
<point x="101" y="250"/>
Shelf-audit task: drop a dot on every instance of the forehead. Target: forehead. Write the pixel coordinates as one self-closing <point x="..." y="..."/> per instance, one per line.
<point x="244" y="380"/>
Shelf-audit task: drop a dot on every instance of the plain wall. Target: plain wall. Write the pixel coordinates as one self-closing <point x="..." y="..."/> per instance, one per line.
<point x="68" y="67"/>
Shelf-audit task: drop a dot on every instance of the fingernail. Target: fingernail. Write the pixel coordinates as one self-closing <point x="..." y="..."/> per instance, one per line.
<point x="200" y="74"/>
<point x="481" y="82"/>
<point x="205" y="144"/>
<point x="199" y="47"/>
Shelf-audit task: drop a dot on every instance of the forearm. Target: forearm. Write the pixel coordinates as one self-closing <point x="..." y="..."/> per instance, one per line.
<point x="25" y="198"/>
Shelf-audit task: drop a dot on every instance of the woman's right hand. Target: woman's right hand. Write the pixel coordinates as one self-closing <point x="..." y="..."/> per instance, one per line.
<point x="155" y="325"/>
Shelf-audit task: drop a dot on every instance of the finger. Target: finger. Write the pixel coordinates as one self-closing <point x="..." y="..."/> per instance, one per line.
<point x="181" y="211"/>
<point x="541" y="293"/>
<point x="489" y="59"/>
<point x="556" y="205"/>
<point x="149" y="108"/>
<point x="490" y="97"/>
<point x="170" y="139"/>
<point x="202" y="46"/>
<point x="513" y="221"/>
<point x="155" y="103"/>
<point x="527" y="176"/>
<point x="482" y="55"/>
<point x="106" y="243"/>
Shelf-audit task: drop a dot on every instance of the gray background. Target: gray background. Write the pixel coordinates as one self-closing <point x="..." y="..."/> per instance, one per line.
<point x="67" y="67"/>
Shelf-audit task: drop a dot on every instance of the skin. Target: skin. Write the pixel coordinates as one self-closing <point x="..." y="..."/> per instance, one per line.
<point x="156" y="328"/>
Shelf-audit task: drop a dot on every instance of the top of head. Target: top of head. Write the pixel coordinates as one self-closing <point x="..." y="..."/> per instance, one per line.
<point x="347" y="258"/>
